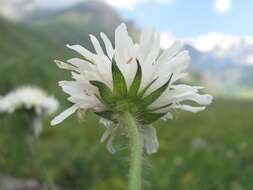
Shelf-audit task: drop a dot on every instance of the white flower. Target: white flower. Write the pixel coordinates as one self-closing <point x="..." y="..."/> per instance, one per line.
<point x="30" y="98"/>
<point x="137" y="77"/>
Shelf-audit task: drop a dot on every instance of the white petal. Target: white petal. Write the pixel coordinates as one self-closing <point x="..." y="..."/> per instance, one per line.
<point x="175" y="65"/>
<point x="124" y="51"/>
<point x="66" y="66"/>
<point x="145" y="44"/>
<point x="185" y="92"/>
<point x="108" y="45"/>
<point x="132" y="68"/>
<point x="176" y="94"/>
<point x="181" y="91"/>
<point x="105" y="135"/>
<point x="37" y="126"/>
<point x="104" y="69"/>
<point x="161" y="80"/>
<point x="148" y="51"/>
<point x="106" y="123"/>
<point x="96" y="45"/>
<point x="84" y="82"/>
<point x="190" y="108"/>
<point x="204" y="99"/>
<point x="150" y="139"/>
<point x="124" y="46"/>
<point x="64" y="115"/>
<point x="108" y="134"/>
<point x="85" y="101"/>
<point x="72" y="88"/>
<point x="80" y="63"/>
<point x="170" y="52"/>
<point x="83" y="51"/>
<point x="110" y="146"/>
<point x="167" y="116"/>
<point x="154" y="48"/>
<point x="178" y="77"/>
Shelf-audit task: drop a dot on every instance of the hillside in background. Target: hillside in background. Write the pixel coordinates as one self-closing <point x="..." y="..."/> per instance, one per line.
<point x="24" y="56"/>
<point x="31" y="45"/>
<point x="222" y="76"/>
<point x="73" y="24"/>
<point x="28" y="47"/>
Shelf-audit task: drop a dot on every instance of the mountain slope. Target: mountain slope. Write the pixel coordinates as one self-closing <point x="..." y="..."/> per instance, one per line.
<point x="73" y="24"/>
<point x="27" y="58"/>
<point x="28" y="48"/>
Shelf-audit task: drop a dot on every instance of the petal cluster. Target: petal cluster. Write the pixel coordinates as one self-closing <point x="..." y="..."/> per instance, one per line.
<point x="28" y="98"/>
<point x="33" y="99"/>
<point x="137" y="77"/>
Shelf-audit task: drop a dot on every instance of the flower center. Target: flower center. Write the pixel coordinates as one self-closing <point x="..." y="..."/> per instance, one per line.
<point x="126" y="105"/>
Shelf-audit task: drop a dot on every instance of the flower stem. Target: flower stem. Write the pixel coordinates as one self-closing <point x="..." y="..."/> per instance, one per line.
<point x="136" y="152"/>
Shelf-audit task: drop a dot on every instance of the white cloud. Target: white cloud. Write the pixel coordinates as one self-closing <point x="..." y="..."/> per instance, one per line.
<point x="166" y="1"/>
<point x="249" y="40"/>
<point x="222" y="6"/>
<point x="15" y="9"/>
<point x="214" y="41"/>
<point x="249" y="60"/>
<point x="57" y="3"/>
<point x="131" y="4"/>
<point x="223" y="46"/>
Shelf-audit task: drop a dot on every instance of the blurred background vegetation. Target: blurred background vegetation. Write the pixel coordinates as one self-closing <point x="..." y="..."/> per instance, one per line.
<point x="206" y="151"/>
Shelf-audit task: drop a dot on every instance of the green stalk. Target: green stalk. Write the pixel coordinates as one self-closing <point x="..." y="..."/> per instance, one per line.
<point x="136" y="152"/>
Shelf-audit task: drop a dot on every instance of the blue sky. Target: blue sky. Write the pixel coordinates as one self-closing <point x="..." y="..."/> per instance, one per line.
<point x="192" y="17"/>
<point x="221" y="27"/>
<point x="181" y="17"/>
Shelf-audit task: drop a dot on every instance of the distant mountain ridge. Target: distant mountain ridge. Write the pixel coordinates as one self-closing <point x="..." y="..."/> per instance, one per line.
<point x="73" y="24"/>
<point x="28" y="47"/>
<point x="48" y="31"/>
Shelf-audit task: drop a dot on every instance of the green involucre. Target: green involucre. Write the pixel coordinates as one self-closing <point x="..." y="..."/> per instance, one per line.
<point x="119" y="82"/>
<point x="106" y="96"/>
<point x="122" y="99"/>
<point x="135" y="86"/>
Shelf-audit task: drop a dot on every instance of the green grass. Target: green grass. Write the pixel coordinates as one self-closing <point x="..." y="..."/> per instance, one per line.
<point x="210" y="150"/>
<point x="71" y="155"/>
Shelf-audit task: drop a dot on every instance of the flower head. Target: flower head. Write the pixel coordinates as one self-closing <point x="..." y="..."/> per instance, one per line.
<point x="138" y="78"/>
<point x="29" y="98"/>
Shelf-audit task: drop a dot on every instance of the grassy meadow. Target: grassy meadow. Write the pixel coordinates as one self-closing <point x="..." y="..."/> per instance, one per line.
<point x="211" y="150"/>
<point x="208" y="150"/>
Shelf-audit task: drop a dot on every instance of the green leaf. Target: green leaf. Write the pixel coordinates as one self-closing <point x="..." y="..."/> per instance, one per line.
<point x="149" y="99"/>
<point x="160" y="107"/>
<point x="119" y="82"/>
<point x="135" y="86"/>
<point x="106" y="96"/>
<point x="106" y="114"/>
<point x="146" y="88"/>
<point x="148" y="118"/>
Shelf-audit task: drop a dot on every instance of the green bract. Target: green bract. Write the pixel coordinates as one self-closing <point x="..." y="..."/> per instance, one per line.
<point x="122" y="99"/>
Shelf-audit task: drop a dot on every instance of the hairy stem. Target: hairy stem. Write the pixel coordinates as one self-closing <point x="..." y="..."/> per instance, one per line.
<point x="136" y="152"/>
